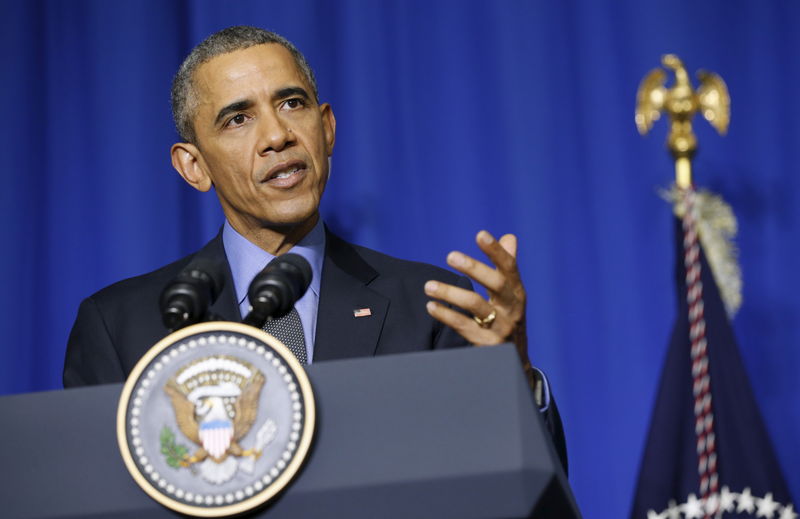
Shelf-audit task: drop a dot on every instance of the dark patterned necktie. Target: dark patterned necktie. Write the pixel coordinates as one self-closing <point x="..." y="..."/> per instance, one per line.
<point x="289" y="330"/>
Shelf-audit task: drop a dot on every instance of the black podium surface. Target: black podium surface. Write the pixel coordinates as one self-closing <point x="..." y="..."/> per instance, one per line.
<point x="436" y="434"/>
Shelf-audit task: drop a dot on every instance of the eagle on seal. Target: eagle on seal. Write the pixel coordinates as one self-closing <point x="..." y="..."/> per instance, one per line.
<point x="209" y="423"/>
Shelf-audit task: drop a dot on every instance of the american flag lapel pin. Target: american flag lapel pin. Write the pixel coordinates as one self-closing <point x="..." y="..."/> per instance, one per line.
<point x="362" y="312"/>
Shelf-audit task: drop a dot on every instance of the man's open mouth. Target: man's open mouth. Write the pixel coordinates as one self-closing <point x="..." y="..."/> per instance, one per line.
<point x="286" y="175"/>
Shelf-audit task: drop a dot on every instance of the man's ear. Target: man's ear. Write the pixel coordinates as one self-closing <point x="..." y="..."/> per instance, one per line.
<point x="328" y="127"/>
<point x="188" y="161"/>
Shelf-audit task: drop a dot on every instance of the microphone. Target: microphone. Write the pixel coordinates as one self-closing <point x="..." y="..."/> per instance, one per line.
<point x="275" y="289"/>
<point x="187" y="298"/>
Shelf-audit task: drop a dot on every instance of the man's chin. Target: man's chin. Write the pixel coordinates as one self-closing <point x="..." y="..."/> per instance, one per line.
<point x="292" y="223"/>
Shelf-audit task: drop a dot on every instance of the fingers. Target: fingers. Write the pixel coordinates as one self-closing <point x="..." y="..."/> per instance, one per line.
<point x="502" y="253"/>
<point x="466" y="326"/>
<point x="477" y="270"/>
<point x="503" y="283"/>
<point x="506" y="302"/>
<point x="462" y="298"/>
<point x="509" y="243"/>
<point x="497" y="331"/>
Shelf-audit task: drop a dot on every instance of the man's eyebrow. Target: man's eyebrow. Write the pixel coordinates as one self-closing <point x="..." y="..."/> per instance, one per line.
<point x="236" y="106"/>
<point x="283" y="93"/>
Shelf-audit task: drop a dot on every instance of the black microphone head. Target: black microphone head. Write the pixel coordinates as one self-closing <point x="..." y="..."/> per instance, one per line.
<point x="298" y="268"/>
<point x="208" y="272"/>
<point x="186" y="299"/>
<point x="275" y="289"/>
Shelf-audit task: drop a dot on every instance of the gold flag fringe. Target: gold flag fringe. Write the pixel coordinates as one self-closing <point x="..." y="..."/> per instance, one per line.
<point x="716" y="227"/>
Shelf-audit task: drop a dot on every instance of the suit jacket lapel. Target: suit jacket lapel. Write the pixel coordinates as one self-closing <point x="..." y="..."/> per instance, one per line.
<point x="344" y="289"/>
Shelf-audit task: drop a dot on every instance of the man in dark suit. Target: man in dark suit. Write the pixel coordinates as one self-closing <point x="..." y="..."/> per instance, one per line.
<point x="246" y="106"/>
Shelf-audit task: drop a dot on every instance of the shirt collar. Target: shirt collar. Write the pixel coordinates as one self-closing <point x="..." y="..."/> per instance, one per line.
<point x="246" y="259"/>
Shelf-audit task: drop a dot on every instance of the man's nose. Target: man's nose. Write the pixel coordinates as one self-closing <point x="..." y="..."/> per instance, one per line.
<point x="275" y="133"/>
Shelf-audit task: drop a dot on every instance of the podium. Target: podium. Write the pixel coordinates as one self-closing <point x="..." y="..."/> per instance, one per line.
<point x="421" y="435"/>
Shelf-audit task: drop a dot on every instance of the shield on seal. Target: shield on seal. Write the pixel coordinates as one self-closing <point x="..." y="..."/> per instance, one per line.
<point x="216" y="436"/>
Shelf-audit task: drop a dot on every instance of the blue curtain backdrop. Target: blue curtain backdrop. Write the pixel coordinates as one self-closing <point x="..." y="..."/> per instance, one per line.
<point x="452" y="117"/>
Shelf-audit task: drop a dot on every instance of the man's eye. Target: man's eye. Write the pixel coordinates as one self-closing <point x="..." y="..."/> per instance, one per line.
<point x="237" y="120"/>
<point x="294" y="103"/>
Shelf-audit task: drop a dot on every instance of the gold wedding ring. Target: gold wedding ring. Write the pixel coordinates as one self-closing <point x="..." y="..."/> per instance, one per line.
<point x="487" y="321"/>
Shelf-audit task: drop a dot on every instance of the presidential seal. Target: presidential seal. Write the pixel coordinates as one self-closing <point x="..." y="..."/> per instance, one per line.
<point x="215" y="419"/>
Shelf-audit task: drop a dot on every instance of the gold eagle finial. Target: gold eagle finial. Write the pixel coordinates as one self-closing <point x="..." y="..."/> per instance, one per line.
<point x="681" y="102"/>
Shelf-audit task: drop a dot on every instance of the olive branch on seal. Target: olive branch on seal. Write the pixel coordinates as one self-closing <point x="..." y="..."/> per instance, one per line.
<point x="173" y="452"/>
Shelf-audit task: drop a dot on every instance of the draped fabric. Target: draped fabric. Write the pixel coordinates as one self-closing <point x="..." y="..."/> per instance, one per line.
<point x="453" y="116"/>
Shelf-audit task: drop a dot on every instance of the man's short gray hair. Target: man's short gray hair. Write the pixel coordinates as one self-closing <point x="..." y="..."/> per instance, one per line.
<point x="184" y="97"/>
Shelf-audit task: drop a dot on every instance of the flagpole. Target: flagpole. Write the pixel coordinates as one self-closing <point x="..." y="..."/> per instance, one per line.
<point x="683" y="172"/>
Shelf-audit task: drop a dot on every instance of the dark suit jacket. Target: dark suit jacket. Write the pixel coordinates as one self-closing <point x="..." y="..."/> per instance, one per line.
<point x="117" y="325"/>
